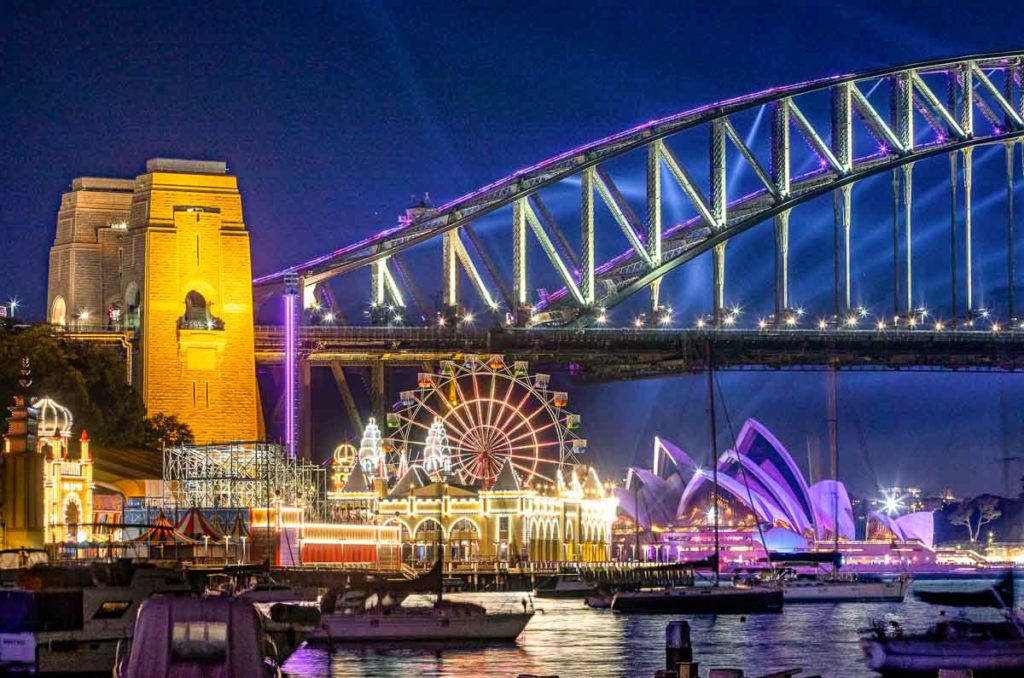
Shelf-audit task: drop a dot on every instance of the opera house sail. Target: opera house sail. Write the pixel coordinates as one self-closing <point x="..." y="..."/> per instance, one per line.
<point x="762" y="491"/>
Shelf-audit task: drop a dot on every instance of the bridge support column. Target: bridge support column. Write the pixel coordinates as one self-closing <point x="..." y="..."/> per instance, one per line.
<point x="292" y="313"/>
<point x="908" y="203"/>
<point x="847" y="205"/>
<point x="655" y="301"/>
<point x="519" y="290"/>
<point x="1011" y="311"/>
<point x="896" y="243"/>
<point x="954" y="180"/>
<point x="305" y="406"/>
<point x="378" y="390"/>
<point x="718" y="282"/>
<point x="781" y="265"/>
<point x="968" y="245"/>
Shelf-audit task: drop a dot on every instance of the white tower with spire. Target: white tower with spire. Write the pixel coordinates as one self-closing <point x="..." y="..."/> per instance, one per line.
<point x="436" y="458"/>
<point x="371" y="452"/>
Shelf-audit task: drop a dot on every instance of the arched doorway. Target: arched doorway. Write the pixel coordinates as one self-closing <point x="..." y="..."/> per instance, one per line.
<point x="406" y="538"/>
<point x="427" y="538"/>
<point x="72" y="515"/>
<point x="58" y="311"/>
<point x="464" y="540"/>
<point x="132" y="303"/>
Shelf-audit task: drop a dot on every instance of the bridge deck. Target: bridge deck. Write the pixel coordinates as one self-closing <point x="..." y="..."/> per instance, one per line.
<point x="618" y="353"/>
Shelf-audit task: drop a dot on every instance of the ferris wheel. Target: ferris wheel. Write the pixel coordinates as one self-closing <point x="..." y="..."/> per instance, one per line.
<point x="485" y="412"/>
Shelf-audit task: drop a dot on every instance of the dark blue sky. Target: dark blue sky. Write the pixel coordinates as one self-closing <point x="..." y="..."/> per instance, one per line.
<point x="332" y="114"/>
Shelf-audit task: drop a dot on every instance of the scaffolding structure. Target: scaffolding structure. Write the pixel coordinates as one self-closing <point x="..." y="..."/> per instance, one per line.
<point x="242" y="475"/>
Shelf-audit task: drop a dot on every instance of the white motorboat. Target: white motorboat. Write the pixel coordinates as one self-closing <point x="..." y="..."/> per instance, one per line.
<point x="257" y="588"/>
<point x="565" y="586"/>
<point x="70" y="620"/>
<point x="444" y="621"/>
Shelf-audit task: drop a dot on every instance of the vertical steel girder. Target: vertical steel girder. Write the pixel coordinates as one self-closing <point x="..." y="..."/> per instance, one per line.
<point x="908" y="203"/>
<point x="847" y="207"/>
<point x="968" y="245"/>
<point x="902" y="117"/>
<point x="383" y="284"/>
<point x="896" y="242"/>
<point x="964" y="95"/>
<point x="654" y="202"/>
<point x="954" y="180"/>
<point x="587" y="236"/>
<point x="450" y="269"/>
<point x="471" y="270"/>
<point x="306" y="407"/>
<point x="1010" y="238"/>
<point x="716" y="150"/>
<point x="780" y="147"/>
<point x="842" y="125"/>
<point x="781" y="264"/>
<point x="519" y="289"/>
<point x="718" y="281"/>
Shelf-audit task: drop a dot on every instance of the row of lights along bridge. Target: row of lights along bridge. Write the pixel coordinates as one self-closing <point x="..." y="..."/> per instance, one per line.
<point x="859" y="318"/>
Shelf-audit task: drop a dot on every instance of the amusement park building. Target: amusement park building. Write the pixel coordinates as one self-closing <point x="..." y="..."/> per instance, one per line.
<point x="759" y="486"/>
<point x="504" y="519"/>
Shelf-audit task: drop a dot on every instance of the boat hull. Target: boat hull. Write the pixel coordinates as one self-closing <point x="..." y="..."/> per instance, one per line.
<point x="348" y="628"/>
<point x="846" y="592"/>
<point x="910" y="657"/>
<point x="700" y="600"/>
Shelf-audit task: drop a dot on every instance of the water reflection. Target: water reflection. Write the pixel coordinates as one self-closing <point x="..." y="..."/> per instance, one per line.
<point x="569" y="640"/>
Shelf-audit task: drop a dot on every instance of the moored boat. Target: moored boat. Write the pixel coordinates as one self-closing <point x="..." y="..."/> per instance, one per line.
<point x="196" y="636"/>
<point x="565" y="586"/>
<point x="989" y="649"/>
<point x="444" y="621"/>
<point x="701" y="600"/>
<point x="859" y="590"/>
<point x="70" y="620"/>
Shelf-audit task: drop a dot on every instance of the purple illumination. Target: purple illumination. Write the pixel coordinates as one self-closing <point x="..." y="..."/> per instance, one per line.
<point x="289" y="373"/>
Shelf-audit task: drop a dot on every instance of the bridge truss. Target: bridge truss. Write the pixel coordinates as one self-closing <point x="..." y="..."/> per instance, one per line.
<point x="880" y="122"/>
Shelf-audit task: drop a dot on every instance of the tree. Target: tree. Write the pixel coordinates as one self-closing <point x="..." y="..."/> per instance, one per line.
<point x="975" y="514"/>
<point x="163" y="430"/>
<point x="87" y="378"/>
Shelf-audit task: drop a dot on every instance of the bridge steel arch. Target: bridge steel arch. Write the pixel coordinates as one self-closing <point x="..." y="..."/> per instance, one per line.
<point x="965" y="102"/>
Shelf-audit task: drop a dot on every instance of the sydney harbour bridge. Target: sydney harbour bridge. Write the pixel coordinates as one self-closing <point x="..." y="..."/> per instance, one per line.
<point x="573" y="261"/>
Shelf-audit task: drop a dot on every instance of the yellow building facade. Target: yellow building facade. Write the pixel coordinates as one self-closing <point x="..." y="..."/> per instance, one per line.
<point x="506" y="522"/>
<point x="168" y="260"/>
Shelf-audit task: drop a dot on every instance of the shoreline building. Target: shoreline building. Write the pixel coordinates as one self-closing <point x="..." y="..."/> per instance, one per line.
<point x="669" y="510"/>
<point x="502" y="519"/>
<point x="165" y="256"/>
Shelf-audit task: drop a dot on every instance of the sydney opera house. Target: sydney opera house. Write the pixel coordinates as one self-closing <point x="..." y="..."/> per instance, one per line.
<point x="763" y="500"/>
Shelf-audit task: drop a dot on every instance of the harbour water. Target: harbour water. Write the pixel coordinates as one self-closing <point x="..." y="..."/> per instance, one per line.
<point x="569" y="640"/>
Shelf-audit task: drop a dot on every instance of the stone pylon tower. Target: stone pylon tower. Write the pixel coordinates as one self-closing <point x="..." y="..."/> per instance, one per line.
<point x="178" y="254"/>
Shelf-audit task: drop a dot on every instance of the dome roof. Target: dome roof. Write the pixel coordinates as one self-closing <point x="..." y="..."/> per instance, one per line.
<point x="345" y="455"/>
<point x="54" y="418"/>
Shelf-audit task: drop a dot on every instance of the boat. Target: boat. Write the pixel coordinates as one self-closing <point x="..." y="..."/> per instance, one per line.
<point x="382" y="615"/>
<point x="713" y="598"/>
<point x="833" y="587"/>
<point x="565" y="586"/>
<point x="197" y="636"/>
<point x="258" y="587"/>
<point x="988" y="649"/>
<point x="701" y="600"/>
<point x="1000" y="595"/>
<point x="443" y="621"/>
<point x="63" y="620"/>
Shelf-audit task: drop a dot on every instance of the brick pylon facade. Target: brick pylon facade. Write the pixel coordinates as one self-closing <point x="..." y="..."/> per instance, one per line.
<point x="166" y="255"/>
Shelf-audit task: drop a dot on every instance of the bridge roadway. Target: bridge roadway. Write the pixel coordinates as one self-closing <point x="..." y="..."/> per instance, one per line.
<point x="607" y="354"/>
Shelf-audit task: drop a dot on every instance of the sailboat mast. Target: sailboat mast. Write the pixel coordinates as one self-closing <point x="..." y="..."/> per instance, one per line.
<point x="714" y="448"/>
<point x="833" y="442"/>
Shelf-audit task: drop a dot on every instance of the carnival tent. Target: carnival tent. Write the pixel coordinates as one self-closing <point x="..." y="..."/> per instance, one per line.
<point x="162" y="533"/>
<point x="195" y="526"/>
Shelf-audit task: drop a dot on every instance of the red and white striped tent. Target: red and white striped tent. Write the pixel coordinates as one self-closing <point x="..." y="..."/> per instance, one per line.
<point x="238" y="529"/>
<point x="195" y="526"/>
<point x="162" y="533"/>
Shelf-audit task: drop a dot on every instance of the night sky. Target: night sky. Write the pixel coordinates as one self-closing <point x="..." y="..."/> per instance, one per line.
<point x="332" y="114"/>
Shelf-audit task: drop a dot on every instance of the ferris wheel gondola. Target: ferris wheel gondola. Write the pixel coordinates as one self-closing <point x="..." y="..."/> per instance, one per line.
<point x="491" y="413"/>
